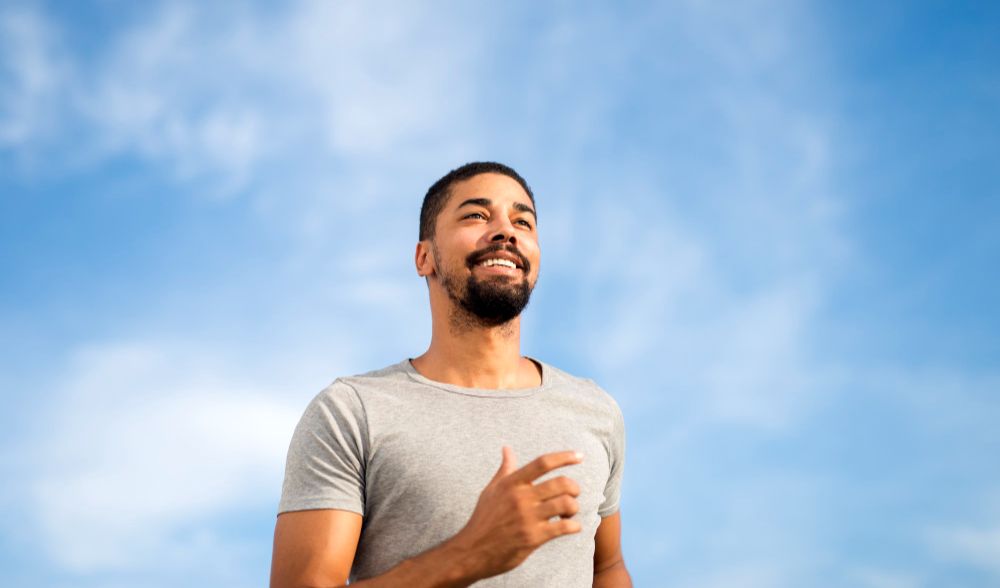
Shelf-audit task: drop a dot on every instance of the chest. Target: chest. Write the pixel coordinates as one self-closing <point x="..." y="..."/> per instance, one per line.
<point x="429" y="462"/>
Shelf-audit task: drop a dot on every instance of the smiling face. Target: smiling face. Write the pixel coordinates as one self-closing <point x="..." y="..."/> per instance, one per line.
<point x="484" y="252"/>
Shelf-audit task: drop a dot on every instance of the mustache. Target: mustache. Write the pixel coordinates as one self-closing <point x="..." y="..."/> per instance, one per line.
<point x="477" y="256"/>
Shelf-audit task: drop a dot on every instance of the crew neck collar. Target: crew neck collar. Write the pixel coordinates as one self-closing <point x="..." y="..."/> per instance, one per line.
<point x="407" y="367"/>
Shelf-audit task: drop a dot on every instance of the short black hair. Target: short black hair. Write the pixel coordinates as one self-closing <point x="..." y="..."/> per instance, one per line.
<point x="438" y="193"/>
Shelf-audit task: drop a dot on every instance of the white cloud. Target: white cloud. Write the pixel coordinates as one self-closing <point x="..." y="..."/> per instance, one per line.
<point x="947" y="404"/>
<point x="218" y="97"/>
<point x="143" y="445"/>
<point x="387" y="72"/>
<point x="745" y="576"/>
<point x="973" y="545"/>
<point x="705" y="276"/>
<point x="31" y="76"/>
<point x="756" y="371"/>
<point x="737" y="357"/>
<point x="712" y="269"/>
<point x="881" y="578"/>
<point x="171" y="92"/>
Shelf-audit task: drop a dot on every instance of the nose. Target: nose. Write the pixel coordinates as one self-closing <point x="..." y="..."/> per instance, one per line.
<point x="503" y="232"/>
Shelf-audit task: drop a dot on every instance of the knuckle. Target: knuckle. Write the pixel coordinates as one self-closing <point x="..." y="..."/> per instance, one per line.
<point x="572" y="506"/>
<point x="568" y="486"/>
<point x="522" y="493"/>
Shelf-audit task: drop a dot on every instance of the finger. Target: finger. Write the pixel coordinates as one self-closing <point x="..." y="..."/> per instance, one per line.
<point x="508" y="463"/>
<point x="561" y="506"/>
<point x="546" y="463"/>
<point x="556" y="487"/>
<point x="560" y="527"/>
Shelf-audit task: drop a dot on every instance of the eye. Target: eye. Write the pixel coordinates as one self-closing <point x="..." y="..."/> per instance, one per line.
<point x="474" y="215"/>
<point x="524" y="222"/>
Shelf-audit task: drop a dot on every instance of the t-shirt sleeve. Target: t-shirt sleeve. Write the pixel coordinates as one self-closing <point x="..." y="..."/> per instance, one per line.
<point x="327" y="455"/>
<point x="616" y="455"/>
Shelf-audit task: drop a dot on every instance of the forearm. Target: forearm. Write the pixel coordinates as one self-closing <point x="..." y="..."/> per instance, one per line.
<point x="613" y="576"/>
<point x="445" y="566"/>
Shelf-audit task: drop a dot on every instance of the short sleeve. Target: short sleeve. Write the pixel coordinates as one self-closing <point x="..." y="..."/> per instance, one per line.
<point x="616" y="456"/>
<point x="326" y="460"/>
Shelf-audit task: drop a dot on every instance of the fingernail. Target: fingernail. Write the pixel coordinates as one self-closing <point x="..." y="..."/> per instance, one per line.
<point x="578" y="455"/>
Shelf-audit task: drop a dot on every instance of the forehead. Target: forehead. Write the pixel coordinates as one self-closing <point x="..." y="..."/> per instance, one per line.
<point x="499" y="188"/>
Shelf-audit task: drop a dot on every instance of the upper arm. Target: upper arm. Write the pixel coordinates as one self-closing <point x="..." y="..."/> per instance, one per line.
<point x="314" y="548"/>
<point x="607" y="542"/>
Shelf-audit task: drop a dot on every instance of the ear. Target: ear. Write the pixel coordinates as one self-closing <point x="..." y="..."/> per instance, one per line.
<point x="424" y="260"/>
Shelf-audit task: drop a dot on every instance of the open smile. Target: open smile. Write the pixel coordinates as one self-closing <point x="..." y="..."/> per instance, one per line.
<point x="499" y="261"/>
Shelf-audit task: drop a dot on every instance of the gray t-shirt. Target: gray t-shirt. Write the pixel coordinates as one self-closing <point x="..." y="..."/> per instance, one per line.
<point x="411" y="455"/>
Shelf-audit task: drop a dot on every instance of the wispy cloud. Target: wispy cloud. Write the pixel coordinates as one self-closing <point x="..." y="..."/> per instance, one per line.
<point x="719" y="278"/>
<point x="224" y="97"/>
<point x="974" y="545"/>
<point x="687" y="158"/>
<point x="32" y="76"/>
<point x="880" y="578"/>
<point x="152" y="442"/>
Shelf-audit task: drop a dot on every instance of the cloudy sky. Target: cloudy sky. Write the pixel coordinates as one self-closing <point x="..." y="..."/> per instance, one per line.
<point x="770" y="229"/>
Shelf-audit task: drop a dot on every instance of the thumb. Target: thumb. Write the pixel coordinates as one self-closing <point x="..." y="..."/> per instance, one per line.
<point x="507" y="464"/>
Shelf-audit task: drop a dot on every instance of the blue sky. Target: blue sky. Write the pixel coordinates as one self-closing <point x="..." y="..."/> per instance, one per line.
<point x="769" y="230"/>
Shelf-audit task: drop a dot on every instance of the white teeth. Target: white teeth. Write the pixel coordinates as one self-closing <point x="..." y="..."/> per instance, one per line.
<point x="503" y="262"/>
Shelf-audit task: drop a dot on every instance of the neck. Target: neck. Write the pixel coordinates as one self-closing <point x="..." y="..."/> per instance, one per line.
<point x="468" y="354"/>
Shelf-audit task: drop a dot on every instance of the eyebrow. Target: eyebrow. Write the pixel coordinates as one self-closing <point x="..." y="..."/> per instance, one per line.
<point x="486" y="203"/>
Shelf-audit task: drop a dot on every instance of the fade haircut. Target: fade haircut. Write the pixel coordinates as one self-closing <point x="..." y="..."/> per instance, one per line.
<point x="437" y="195"/>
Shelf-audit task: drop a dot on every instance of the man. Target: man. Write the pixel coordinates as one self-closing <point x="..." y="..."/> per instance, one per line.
<point x="392" y="476"/>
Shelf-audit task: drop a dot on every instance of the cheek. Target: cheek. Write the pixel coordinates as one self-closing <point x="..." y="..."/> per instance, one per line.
<point x="535" y="258"/>
<point x="450" y="249"/>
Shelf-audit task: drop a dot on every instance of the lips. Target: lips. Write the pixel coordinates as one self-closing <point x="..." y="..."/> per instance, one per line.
<point x="500" y="256"/>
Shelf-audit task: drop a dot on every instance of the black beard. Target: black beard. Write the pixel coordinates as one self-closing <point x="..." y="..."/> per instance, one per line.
<point x="495" y="302"/>
<point x="491" y="302"/>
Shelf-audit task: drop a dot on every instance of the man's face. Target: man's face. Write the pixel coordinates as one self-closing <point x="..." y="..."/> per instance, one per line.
<point x="485" y="247"/>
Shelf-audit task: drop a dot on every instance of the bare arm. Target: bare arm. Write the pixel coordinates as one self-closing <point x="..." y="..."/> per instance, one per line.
<point x="314" y="549"/>
<point x="609" y="566"/>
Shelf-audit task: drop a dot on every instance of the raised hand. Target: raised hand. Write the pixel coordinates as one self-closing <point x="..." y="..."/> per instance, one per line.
<point x="514" y="516"/>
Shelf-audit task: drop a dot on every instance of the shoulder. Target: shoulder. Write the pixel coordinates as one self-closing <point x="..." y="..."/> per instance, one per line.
<point x="585" y="387"/>
<point x="353" y="393"/>
<point x="388" y="376"/>
<point x="333" y="404"/>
